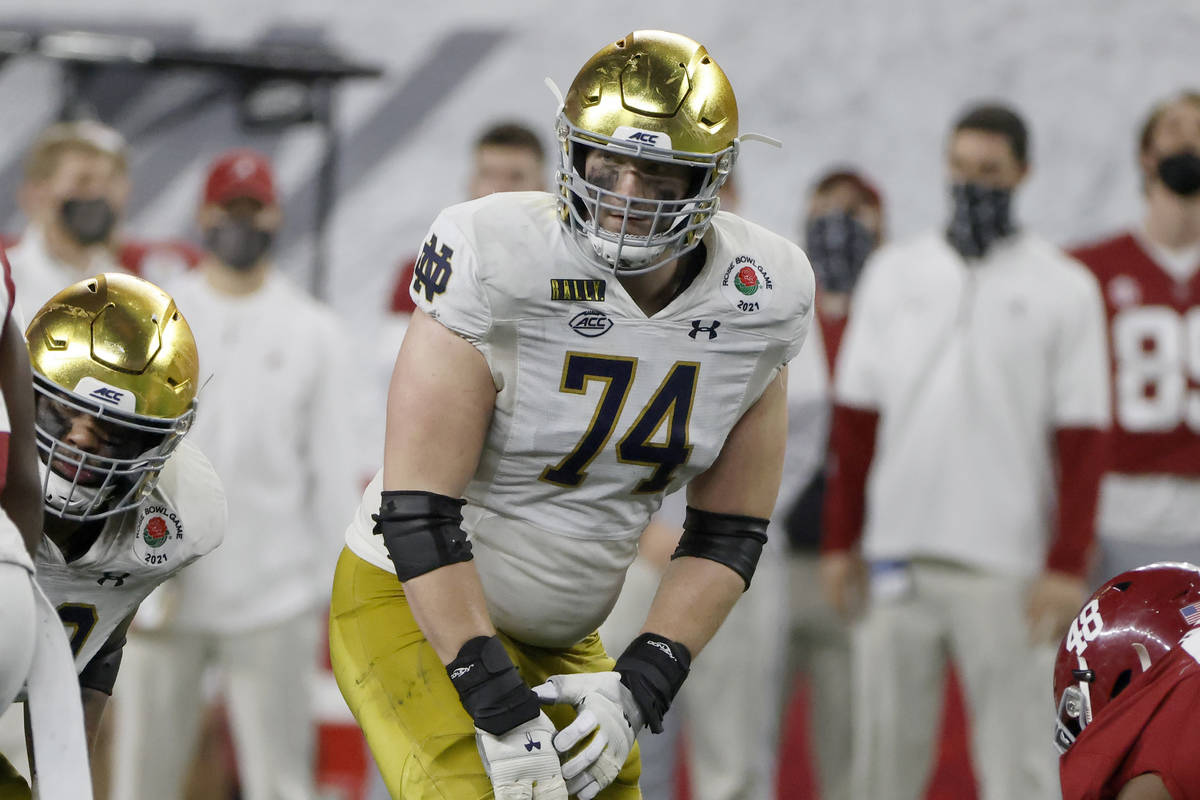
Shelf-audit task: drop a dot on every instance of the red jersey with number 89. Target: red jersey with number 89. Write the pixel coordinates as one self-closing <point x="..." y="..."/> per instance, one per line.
<point x="1154" y="335"/>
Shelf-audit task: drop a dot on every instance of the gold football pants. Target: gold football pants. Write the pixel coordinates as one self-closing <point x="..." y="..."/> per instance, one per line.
<point x="12" y="785"/>
<point x="420" y="735"/>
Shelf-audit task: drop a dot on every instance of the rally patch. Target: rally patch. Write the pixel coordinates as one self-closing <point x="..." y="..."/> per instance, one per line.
<point x="747" y="285"/>
<point x="577" y="289"/>
<point x="158" y="536"/>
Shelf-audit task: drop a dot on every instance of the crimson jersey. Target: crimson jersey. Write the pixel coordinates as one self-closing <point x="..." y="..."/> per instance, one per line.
<point x="1154" y="333"/>
<point x="1152" y="727"/>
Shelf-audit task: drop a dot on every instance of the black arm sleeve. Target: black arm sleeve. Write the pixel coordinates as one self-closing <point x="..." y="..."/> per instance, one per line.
<point x="730" y="539"/>
<point x="101" y="672"/>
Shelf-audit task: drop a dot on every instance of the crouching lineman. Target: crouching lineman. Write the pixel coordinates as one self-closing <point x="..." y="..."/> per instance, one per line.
<point x="128" y="503"/>
<point x="573" y="356"/>
<point x="1127" y="685"/>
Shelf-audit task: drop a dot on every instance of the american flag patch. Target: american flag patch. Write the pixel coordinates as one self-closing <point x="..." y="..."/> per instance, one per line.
<point x="1191" y="613"/>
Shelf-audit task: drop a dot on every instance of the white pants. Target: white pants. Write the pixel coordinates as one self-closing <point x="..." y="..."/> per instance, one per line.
<point x="268" y="676"/>
<point x="901" y="648"/>
<point x="819" y="648"/>
<point x="18" y="629"/>
<point x="729" y="704"/>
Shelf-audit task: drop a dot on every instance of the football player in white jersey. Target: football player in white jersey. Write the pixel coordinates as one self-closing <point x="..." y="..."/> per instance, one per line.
<point x="127" y="502"/>
<point x="574" y="355"/>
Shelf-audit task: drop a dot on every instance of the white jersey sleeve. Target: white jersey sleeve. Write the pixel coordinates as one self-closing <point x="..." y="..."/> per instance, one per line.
<point x="1081" y="385"/>
<point x="857" y="376"/>
<point x="447" y="282"/>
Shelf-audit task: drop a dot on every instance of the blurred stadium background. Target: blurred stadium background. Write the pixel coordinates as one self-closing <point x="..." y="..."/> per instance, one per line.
<point x="837" y="80"/>
<point x="866" y="82"/>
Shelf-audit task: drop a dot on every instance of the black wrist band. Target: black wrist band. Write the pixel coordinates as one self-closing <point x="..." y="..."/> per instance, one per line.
<point x="653" y="668"/>
<point x="490" y="688"/>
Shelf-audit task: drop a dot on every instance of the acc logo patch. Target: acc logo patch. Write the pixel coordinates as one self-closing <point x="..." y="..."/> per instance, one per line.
<point x="591" y="323"/>
<point x="747" y="285"/>
<point x="158" y="534"/>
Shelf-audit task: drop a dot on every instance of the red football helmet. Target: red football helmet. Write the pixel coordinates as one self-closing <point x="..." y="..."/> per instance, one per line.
<point x="1128" y="624"/>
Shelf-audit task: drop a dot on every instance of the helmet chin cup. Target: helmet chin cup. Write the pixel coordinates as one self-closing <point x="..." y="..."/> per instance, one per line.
<point x="626" y="258"/>
<point x="70" y="500"/>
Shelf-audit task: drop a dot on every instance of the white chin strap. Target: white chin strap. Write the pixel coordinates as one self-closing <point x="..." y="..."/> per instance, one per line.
<point x="632" y="256"/>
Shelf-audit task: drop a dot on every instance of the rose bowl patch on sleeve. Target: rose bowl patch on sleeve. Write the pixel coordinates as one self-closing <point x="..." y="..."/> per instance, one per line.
<point x="158" y="535"/>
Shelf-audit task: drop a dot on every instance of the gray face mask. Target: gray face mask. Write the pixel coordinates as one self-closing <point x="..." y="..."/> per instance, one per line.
<point x="237" y="243"/>
<point x="88" y="221"/>
<point x="837" y="246"/>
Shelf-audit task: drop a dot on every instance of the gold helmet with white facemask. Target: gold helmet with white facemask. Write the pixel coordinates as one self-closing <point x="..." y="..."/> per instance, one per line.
<point x="115" y="373"/>
<point x="654" y="96"/>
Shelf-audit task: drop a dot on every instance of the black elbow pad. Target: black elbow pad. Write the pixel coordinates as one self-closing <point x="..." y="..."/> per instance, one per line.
<point x="730" y="539"/>
<point x="421" y="531"/>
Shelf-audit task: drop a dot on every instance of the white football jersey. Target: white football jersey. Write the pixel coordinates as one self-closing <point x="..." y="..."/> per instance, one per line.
<point x="600" y="409"/>
<point x="182" y="519"/>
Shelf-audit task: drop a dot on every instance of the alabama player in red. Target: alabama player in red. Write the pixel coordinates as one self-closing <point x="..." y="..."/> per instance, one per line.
<point x="1150" y="277"/>
<point x="1127" y="688"/>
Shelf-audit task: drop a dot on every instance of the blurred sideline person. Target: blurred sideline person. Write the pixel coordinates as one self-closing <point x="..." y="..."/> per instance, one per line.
<point x="74" y="192"/>
<point x="1127" y="689"/>
<point x="731" y="732"/>
<point x="967" y="440"/>
<point x="575" y="356"/>
<point x="506" y="157"/>
<point x="277" y="432"/>
<point x="1150" y="499"/>
<point x="843" y="226"/>
<point x="128" y="502"/>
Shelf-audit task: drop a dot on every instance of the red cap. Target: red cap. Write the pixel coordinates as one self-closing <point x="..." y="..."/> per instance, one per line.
<point x="238" y="174"/>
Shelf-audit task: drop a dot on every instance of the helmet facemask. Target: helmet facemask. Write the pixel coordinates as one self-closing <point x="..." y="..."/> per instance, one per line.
<point x="653" y="231"/>
<point x="81" y="485"/>
<point x="1074" y="714"/>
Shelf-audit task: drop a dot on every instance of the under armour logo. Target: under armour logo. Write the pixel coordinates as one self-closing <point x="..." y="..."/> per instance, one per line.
<point x="432" y="270"/>
<point x="530" y="744"/>
<point x="118" y="578"/>
<point x="711" y="330"/>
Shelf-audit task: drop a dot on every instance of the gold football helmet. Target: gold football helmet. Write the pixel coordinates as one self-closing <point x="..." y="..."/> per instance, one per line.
<point x="656" y="96"/>
<point x="115" y="378"/>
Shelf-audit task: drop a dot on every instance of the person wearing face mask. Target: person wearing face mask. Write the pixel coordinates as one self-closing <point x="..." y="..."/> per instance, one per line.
<point x="1150" y="496"/>
<point x="278" y="434"/>
<point x="75" y="190"/>
<point x="969" y="426"/>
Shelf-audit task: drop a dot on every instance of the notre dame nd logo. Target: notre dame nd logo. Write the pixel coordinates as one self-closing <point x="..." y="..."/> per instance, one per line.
<point x="432" y="270"/>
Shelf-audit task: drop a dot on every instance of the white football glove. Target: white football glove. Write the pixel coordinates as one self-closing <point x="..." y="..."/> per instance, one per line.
<point x="606" y="707"/>
<point x="522" y="763"/>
